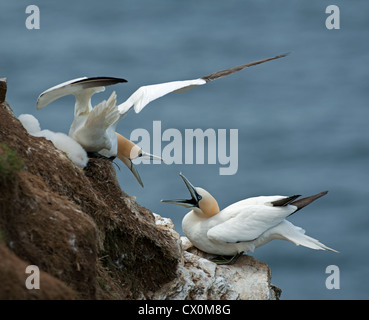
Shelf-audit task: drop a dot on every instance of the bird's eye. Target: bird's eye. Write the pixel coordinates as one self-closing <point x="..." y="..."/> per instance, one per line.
<point x="199" y="198"/>
<point x="140" y="154"/>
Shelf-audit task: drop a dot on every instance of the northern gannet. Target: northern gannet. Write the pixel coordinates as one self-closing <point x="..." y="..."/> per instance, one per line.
<point x="95" y="128"/>
<point x="244" y="225"/>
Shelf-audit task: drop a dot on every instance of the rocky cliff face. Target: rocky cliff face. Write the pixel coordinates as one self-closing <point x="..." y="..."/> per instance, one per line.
<point x="93" y="241"/>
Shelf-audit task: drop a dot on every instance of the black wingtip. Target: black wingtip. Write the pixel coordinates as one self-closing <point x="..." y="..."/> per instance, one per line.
<point x="301" y="203"/>
<point x="283" y="55"/>
<point x="103" y="81"/>
<point x="226" y="72"/>
<point x="285" y="201"/>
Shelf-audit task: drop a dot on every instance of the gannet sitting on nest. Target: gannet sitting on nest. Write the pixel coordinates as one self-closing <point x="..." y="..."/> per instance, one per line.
<point x="244" y="225"/>
<point x="94" y="128"/>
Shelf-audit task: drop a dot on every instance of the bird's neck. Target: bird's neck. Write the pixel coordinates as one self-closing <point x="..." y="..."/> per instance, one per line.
<point x="207" y="212"/>
<point x="83" y="103"/>
<point x="208" y="206"/>
<point x="194" y="216"/>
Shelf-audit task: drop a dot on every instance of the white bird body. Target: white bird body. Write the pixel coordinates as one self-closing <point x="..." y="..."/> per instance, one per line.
<point x="244" y="225"/>
<point x="61" y="141"/>
<point x="94" y="128"/>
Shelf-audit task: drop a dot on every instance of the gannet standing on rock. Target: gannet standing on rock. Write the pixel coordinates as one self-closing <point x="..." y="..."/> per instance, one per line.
<point x="94" y="128"/>
<point x="244" y="225"/>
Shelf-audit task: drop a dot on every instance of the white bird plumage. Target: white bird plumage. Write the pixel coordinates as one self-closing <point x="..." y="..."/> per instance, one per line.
<point x="94" y="128"/>
<point x="244" y="225"/>
<point x="60" y="140"/>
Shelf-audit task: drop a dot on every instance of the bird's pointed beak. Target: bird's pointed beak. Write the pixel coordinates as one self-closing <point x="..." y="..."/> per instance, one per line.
<point x="136" y="174"/>
<point x="188" y="203"/>
<point x="129" y="164"/>
<point x="150" y="156"/>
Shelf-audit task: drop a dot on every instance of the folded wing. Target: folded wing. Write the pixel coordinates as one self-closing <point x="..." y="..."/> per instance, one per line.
<point x="249" y="222"/>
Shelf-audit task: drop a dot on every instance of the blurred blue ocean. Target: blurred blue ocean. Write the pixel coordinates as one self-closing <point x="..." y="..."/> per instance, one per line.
<point x="302" y="120"/>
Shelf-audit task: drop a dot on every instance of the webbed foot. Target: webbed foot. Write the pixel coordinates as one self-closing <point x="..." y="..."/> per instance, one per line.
<point x="226" y="260"/>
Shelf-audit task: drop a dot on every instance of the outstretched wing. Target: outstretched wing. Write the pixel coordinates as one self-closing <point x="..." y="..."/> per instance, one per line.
<point x="104" y="114"/>
<point x="91" y="130"/>
<point x="227" y="72"/>
<point x="144" y="95"/>
<point x="74" y="86"/>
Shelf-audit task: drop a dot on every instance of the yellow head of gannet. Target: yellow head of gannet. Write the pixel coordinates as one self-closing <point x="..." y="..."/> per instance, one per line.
<point x="244" y="225"/>
<point x="201" y="202"/>
<point x="127" y="151"/>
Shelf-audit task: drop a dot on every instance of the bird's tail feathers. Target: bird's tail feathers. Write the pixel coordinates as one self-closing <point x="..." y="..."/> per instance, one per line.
<point x="288" y="231"/>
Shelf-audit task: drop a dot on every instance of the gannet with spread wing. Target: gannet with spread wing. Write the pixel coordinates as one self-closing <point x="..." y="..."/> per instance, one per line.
<point x="95" y="128"/>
